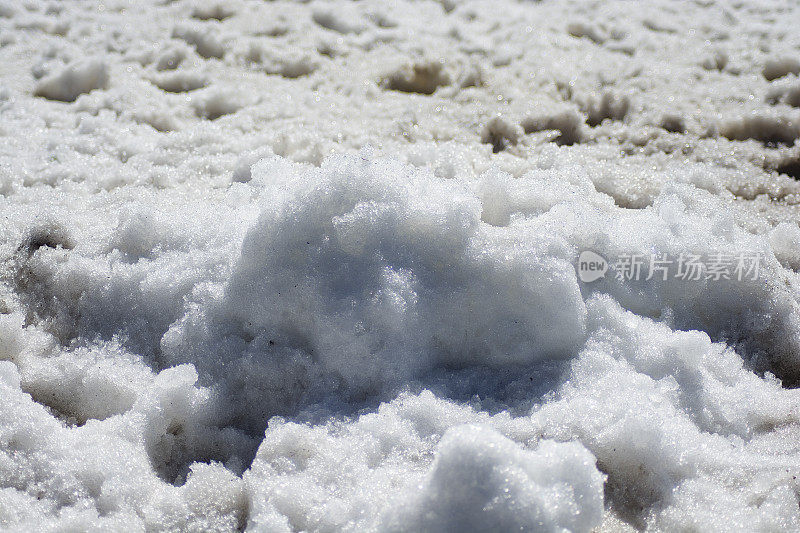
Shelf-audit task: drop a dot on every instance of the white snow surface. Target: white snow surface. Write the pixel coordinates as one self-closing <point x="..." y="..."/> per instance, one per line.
<point x="311" y="266"/>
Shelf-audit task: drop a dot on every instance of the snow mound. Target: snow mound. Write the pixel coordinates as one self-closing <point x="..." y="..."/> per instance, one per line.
<point x="74" y="80"/>
<point x="367" y="273"/>
<point x="420" y="464"/>
<point x="482" y="481"/>
<point x="422" y="78"/>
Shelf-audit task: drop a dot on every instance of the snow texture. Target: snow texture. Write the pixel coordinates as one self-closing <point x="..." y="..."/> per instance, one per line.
<point x="311" y="266"/>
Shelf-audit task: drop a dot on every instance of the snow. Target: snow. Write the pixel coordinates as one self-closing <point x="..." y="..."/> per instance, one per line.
<point x="312" y="266"/>
<point x="74" y="80"/>
<point x="480" y="480"/>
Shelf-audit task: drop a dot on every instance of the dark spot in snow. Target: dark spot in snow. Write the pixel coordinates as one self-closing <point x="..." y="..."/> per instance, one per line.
<point x="790" y="168"/>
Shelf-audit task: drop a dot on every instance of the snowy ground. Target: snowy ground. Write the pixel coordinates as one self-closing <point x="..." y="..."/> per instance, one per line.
<point x="311" y="266"/>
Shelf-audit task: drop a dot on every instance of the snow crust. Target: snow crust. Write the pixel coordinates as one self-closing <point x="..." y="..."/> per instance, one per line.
<point x="311" y="266"/>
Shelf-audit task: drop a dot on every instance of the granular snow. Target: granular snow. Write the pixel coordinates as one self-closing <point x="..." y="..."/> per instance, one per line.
<point x="311" y="266"/>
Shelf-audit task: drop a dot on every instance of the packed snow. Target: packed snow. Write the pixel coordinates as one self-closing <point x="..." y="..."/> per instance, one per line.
<point x="314" y="266"/>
